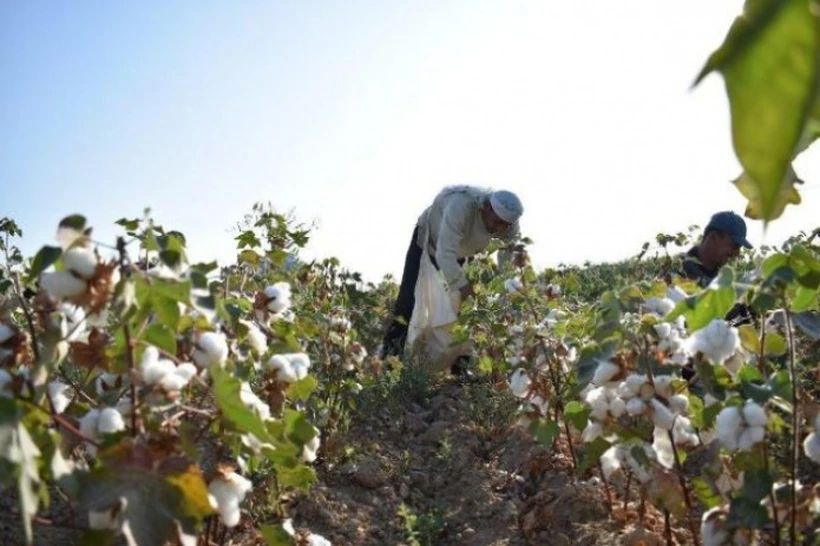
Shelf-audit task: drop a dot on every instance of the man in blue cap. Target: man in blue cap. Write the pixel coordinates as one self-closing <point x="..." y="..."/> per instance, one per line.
<point x="459" y="224"/>
<point x="722" y="239"/>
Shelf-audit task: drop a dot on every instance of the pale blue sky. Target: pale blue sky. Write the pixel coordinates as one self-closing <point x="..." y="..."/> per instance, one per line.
<point x="354" y="114"/>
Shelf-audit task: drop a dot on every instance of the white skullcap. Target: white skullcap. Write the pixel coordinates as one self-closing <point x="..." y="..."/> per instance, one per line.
<point x="506" y="205"/>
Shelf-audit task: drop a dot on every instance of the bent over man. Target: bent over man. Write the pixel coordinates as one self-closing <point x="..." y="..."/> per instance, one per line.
<point x="459" y="224"/>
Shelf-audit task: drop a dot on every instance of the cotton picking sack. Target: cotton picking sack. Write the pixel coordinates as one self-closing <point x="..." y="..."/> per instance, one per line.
<point x="434" y="315"/>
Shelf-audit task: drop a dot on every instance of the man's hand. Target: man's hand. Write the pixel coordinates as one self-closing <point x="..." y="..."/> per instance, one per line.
<point x="466" y="291"/>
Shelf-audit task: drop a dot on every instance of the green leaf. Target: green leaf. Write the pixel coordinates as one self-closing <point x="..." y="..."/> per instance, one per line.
<point x="75" y="222"/>
<point x="773" y="263"/>
<point x="749" y="338"/>
<point x="275" y="535"/>
<point x="769" y="62"/>
<point x="302" y="389"/>
<point x="171" y="258"/>
<point x="162" y="337"/>
<point x="297" y="428"/>
<point x="17" y="447"/>
<point x="129" y="225"/>
<point x="226" y="391"/>
<point x="247" y="239"/>
<point x="45" y="257"/>
<point x="176" y="290"/>
<point x="299" y="476"/>
<point x="577" y="414"/>
<point x="249" y="256"/>
<point x="592" y="453"/>
<point x="167" y="310"/>
<point x="775" y="344"/>
<point x="545" y="431"/>
<point x="757" y="484"/>
<point x="708" y="496"/>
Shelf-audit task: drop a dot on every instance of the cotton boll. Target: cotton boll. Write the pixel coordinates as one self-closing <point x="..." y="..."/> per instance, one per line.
<point x="811" y="446"/>
<point x="310" y="449"/>
<point x="110" y="421"/>
<point x="679" y="404"/>
<point x="713" y="527"/>
<point x="186" y="370"/>
<point x="717" y="341"/>
<point x="592" y="431"/>
<point x="256" y="338"/>
<point x="278" y="297"/>
<point x="728" y="425"/>
<point x="62" y="284"/>
<point x="210" y="348"/>
<point x="254" y="402"/>
<point x="59" y="394"/>
<point x="664" y="329"/>
<point x="513" y="285"/>
<point x="663" y="385"/>
<point x="317" y="540"/>
<point x="749" y="437"/>
<point x="617" y="407"/>
<point x="754" y="415"/>
<point x="597" y="401"/>
<point x="173" y="382"/>
<point x="663" y="447"/>
<point x="605" y="372"/>
<point x="635" y="406"/>
<point x="300" y="363"/>
<point x="659" y="306"/>
<point x="152" y="369"/>
<point x="631" y="386"/>
<point x="283" y="368"/>
<point x="662" y="417"/>
<point x="520" y="383"/>
<point x="81" y="261"/>
<point x="72" y="320"/>
<point x="611" y="462"/>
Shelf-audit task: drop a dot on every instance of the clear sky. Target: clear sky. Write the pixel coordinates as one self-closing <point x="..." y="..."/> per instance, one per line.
<point x="355" y="114"/>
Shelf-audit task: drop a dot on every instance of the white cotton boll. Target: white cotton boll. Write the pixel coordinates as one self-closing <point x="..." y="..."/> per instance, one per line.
<point x="59" y="394"/>
<point x="611" y="462"/>
<point x="227" y="503"/>
<point x="287" y="525"/>
<point x="684" y="432"/>
<point x="256" y="338"/>
<point x="62" y="284"/>
<point x="151" y="370"/>
<point x="538" y="404"/>
<point x="513" y="285"/>
<point x="662" y="417"/>
<point x="635" y="406"/>
<point x="659" y="306"/>
<point x="811" y="446"/>
<point x="592" y="431"/>
<point x="80" y="260"/>
<point x="211" y="348"/>
<point x="617" y="407"/>
<point x="717" y="341"/>
<point x="749" y="437"/>
<point x="663" y="385"/>
<point x="598" y="402"/>
<point x="254" y="402"/>
<point x="107" y="381"/>
<point x="283" y="368"/>
<point x="186" y="370"/>
<point x="110" y="421"/>
<point x="663" y="447"/>
<point x="300" y="363"/>
<point x="173" y="382"/>
<point x="709" y="400"/>
<point x="311" y="448"/>
<point x="679" y="404"/>
<point x="72" y="324"/>
<point x="278" y="296"/>
<point x="605" y="372"/>
<point x="664" y="329"/>
<point x="728" y="425"/>
<point x="754" y="415"/>
<point x="675" y="294"/>
<point x="631" y="386"/>
<point x="712" y="528"/>
<point x="317" y="540"/>
<point x="89" y="422"/>
<point x="520" y="383"/>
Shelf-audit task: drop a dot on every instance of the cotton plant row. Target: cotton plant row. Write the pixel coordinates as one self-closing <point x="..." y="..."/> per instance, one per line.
<point x="123" y="355"/>
<point x="643" y="419"/>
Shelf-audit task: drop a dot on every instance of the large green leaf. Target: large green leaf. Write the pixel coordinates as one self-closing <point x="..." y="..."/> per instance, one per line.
<point x="226" y="391"/>
<point x="769" y="61"/>
<point x="17" y="447"/>
<point x="45" y="257"/>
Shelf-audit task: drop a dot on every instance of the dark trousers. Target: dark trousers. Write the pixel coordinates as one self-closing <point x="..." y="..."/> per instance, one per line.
<point x="396" y="336"/>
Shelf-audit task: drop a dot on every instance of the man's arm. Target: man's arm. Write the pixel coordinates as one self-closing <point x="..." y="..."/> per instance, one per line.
<point x="452" y="232"/>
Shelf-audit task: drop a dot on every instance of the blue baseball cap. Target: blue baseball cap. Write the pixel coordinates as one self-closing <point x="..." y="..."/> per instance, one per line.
<point x="730" y="223"/>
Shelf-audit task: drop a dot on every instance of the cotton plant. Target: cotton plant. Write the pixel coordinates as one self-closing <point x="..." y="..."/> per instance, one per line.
<point x="605" y="403"/>
<point x="532" y="409"/>
<point x="740" y="428"/>
<point x="619" y="459"/>
<point x="165" y="373"/>
<point x="86" y="279"/>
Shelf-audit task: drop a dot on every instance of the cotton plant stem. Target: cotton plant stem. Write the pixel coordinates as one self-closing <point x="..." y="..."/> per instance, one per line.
<point x="795" y="430"/>
<point x="686" y="498"/>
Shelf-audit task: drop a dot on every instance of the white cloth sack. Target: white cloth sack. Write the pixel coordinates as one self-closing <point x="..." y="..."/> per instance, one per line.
<point x="434" y="315"/>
